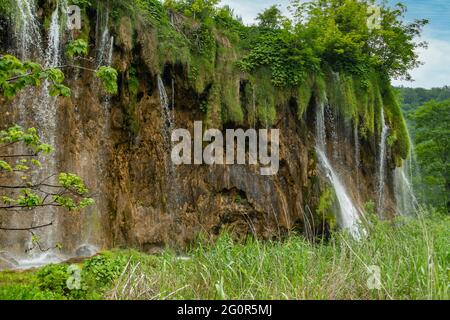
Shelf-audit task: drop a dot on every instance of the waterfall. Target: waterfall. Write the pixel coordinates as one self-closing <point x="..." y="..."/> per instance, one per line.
<point x="407" y="203"/>
<point x="382" y="162"/>
<point x="168" y="117"/>
<point x="104" y="45"/>
<point x="348" y="215"/>
<point x="167" y="114"/>
<point x="29" y="37"/>
<point x="405" y="196"/>
<point x="45" y="108"/>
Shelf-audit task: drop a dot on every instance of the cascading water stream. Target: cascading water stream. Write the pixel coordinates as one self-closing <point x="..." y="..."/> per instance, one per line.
<point x="167" y="114"/>
<point x="29" y="37"/>
<point x="104" y="58"/>
<point x="382" y="162"/>
<point x="168" y="118"/>
<point x="348" y="214"/>
<point x="45" y="108"/>
<point x="104" y="45"/>
<point x="407" y="203"/>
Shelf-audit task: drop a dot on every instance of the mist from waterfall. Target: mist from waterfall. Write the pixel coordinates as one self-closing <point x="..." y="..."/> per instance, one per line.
<point x="348" y="213"/>
<point x="382" y="161"/>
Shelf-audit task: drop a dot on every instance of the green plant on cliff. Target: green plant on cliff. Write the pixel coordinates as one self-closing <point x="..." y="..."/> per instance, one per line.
<point x="325" y="208"/>
<point x="325" y="37"/>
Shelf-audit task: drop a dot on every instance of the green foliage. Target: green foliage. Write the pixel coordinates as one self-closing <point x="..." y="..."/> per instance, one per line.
<point x="6" y="7"/>
<point x="400" y="135"/>
<point x="53" y="278"/>
<point x="270" y="18"/>
<point x="325" y="208"/>
<point x="26" y="292"/>
<point x="108" y="76"/>
<point x="370" y="208"/>
<point x="284" y="53"/>
<point x="100" y="271"/>
<point x="30" y="196"/>
<point x="29" y="199"/>
<point x="412" y="98"/>
<point x="29" y="138"/>
<point x="83" y="4"/>
<point x="198" y="9"/>
<point x="78" y="47"/>
<point x="411" y="253"/>
<point x="15" y="76"/>
<point x="432" y="137"/>
<point x="339" y="34"/>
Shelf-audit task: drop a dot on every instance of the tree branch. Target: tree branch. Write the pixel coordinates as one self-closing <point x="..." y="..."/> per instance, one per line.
<point x="28" y="229"/>
<point x="43" y="70"/>
<point x="20" y="155"/>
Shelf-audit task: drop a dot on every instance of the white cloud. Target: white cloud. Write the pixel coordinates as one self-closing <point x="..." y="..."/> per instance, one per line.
<point x="248" y="10"/>
<point x="436" y="69"/>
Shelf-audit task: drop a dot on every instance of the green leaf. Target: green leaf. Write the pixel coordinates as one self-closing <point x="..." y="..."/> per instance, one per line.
<point x="77" y="47"/>
<point x="108" y="76"/>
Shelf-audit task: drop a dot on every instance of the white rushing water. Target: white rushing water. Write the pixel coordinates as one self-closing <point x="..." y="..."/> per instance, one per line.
<point x="105" y="42"/>
<point x="45" y="107"/>
<point x="168" y="119"/>
<point x="406" y="200"/>
<point x="166" y="112"/>
<point x="382" y="162"/>
<point x="27" y="29"/>
<point x="348" y="213"/>
<point x="405" y="196"/>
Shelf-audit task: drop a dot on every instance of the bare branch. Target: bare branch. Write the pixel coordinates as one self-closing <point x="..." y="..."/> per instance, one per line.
<point x="20" y="156"/>
<point x="29" y="228"/>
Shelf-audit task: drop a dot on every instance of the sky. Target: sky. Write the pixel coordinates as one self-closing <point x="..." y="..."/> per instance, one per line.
<point x="436" y="69"/>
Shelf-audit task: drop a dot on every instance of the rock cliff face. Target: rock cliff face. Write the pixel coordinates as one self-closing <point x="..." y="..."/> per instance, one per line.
<point x="117" y="145"/>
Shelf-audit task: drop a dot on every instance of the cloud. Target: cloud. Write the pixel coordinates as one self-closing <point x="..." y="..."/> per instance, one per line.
<point x="436" y="69"/>
<point x="249" y="9"/>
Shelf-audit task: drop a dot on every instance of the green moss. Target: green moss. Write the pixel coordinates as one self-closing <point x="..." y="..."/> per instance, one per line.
<point x="265" y="96"/>
<point x="304" y="94"/>
<point x="400" y="139"/>
<point x="320" y="88"/>
<point x="213" y="108"/>
<point x="131" y="120"/>
<point x="325" y="209"/>
<point x="212" y="59"/>
<point x="6" y="7"/>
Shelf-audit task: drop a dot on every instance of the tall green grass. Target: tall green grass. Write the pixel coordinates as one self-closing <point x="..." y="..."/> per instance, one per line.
<point x="412" y="254"/>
